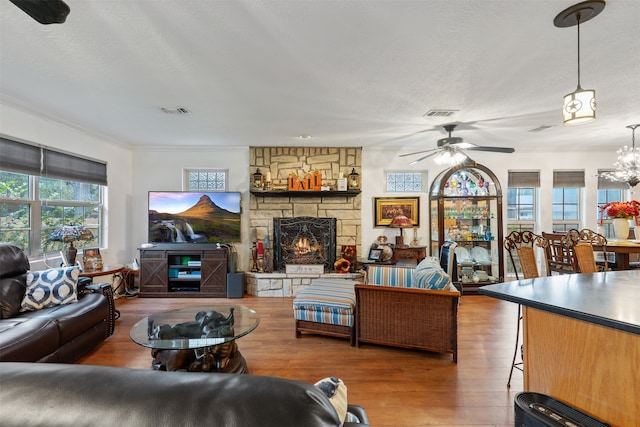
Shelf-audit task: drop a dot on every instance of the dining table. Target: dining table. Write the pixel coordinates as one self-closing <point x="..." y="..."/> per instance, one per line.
<point x="622" y="250"/>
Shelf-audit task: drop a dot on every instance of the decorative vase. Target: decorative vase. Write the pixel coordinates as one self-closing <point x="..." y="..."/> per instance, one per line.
<point x="620" y="228"/>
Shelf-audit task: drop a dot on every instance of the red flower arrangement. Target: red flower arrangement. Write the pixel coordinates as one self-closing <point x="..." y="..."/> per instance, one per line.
<point x="626" y="210"/>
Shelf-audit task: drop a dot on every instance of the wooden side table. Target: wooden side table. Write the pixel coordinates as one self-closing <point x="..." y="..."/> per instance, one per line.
<point x="404" y="253"/>
<point x="104" y="271"/>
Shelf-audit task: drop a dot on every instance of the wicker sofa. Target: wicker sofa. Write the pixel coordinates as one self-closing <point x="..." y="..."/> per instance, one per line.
<point x="400" y="307"/>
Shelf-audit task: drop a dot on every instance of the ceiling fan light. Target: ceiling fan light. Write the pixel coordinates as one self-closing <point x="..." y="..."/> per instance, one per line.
<point x="442" y="158"/>
<point x="458" y="158"/>
<point x="579" y="106"/>
<point x="450" y="158"/>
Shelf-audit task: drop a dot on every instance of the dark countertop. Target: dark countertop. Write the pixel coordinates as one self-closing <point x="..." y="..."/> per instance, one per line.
<point x="609" y="299"/>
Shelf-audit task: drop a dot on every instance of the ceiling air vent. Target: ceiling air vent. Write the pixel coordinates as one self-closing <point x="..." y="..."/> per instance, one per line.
<point x="178" y="110"/>
<point x="540" y="128"/>
<point x="439" y="113"/>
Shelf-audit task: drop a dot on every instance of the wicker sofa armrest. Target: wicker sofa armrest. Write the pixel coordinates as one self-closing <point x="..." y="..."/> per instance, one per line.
<point x="107" y="291"/>
<point x="408" y="317"/>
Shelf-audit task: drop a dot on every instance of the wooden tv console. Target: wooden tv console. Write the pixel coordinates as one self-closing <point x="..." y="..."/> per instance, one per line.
<point x="183" y="270"/>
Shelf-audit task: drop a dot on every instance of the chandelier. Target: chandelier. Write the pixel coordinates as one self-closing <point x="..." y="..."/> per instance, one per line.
<point x="628" y="163"/>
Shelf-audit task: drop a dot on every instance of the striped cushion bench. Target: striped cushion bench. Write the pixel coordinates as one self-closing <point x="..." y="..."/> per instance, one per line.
<point x="326" y="307"/>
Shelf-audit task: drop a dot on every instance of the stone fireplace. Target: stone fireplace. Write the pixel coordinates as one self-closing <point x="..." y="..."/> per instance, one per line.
<point x="342" y="209"/>
<point x="304" y="240"/>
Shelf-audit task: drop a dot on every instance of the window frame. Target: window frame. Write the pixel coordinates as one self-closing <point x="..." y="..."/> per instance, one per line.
<point x="186" y="179"/>
<point x="560" y="225"/>
<point x="423" y="181"/>
<point x="35" y="203"/>
<point x="522" y="224"/>
<point x="605" y="223"/>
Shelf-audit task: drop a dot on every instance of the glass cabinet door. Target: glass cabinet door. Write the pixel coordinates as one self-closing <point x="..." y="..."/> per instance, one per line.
<point x="466" y="208"/>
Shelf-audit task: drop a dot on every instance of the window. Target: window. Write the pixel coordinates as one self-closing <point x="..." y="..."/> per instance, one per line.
<point x="41" y="190"/>
<point x="205" y="179"/>
<point x="51" y="203"/>
<point x="405" y="182"/>
<point x="522" y="191"/>
<point x="608" y="191"/>
<point x="566" y="199"/>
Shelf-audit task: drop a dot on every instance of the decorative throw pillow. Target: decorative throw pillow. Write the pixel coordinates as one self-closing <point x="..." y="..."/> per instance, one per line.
<point x="49" y="288"/>
<point x="429" y="275"/>
<point x="336" y="391"/>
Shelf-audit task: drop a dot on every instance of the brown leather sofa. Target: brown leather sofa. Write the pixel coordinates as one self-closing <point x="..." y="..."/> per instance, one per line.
<point x="62" y="333"/>
<point x="48" y="394"/>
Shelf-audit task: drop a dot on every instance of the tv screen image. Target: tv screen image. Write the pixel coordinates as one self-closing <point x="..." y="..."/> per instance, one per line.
<point x="194" y="217"/>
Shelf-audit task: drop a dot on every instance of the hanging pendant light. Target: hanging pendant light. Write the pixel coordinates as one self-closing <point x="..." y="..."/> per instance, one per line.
<point x="628" y="163"/>
<point x="579" y="106"/>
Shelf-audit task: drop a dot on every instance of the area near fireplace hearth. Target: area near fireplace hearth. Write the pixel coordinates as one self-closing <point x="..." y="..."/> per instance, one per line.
<point x="278" y="163"/>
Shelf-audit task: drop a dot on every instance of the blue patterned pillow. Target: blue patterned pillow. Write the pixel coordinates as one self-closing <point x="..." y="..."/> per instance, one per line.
<point x="49" y="288"/>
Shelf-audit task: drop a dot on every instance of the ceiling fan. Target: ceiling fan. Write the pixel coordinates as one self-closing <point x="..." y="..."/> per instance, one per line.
<point x="450" y="149"/>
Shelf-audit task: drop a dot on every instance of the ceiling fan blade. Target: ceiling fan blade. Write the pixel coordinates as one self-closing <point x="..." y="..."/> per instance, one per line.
<point x="424" y="157"/>
<point x="491" y="149"/>
<point x="418" y="152"/>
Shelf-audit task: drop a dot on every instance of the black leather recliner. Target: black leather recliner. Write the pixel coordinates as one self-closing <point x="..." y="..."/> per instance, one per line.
<point x="56" y="334"/>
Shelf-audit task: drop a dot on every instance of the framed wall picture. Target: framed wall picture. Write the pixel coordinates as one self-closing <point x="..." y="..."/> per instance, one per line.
<point x="387" y="208"/>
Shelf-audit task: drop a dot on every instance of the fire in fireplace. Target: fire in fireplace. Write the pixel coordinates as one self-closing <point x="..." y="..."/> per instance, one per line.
<point x="304" y="240"/>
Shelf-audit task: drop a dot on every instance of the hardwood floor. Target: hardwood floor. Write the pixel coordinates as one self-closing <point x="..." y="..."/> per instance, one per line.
<point x="397" y="387"/>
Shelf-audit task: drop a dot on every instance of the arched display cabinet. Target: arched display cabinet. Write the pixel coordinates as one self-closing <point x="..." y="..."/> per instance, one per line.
<point x="466" y="208"/>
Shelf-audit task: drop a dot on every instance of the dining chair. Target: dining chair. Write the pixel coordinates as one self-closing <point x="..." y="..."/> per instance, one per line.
<point x="520" y="245"/>
<point x="559" y="255"/>
<point x="582" y="242"/>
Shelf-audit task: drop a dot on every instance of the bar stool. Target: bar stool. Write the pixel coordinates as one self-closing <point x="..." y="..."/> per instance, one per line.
<point x="520" y="247"/>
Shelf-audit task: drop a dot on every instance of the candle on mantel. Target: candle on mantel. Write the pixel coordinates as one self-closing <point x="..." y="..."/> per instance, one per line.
<point x="260" y="248"/>
<point x="268" y="179"/>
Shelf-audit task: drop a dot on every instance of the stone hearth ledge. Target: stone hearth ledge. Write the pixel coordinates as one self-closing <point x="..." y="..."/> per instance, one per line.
<point x="288" y="285"/>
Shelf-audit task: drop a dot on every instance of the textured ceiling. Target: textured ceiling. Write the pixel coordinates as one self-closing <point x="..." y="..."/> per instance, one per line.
<point x="349" y="73"/>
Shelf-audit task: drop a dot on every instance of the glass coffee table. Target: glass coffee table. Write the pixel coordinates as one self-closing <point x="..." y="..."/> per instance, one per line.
<point x="200" y="338"/>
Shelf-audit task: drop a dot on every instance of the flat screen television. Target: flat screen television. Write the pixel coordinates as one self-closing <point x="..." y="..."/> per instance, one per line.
<point x="194" y="217"/>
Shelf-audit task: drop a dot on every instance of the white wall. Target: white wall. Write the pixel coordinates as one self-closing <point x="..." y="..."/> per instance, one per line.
<point x="29" y="127"/>
<point x="132" y="173"/>
<point x="375" y="162"/>
<point x="161" y="169"/>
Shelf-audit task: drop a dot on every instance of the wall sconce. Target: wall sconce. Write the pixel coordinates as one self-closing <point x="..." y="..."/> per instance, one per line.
<point x="579" y="106"/>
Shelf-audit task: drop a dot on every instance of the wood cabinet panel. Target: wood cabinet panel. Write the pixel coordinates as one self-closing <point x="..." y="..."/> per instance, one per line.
<point x="176" y="270"/>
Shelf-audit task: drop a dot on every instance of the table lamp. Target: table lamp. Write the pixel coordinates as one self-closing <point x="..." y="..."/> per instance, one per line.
<point x="70" y="233"/>
<point x="400" y="221"/>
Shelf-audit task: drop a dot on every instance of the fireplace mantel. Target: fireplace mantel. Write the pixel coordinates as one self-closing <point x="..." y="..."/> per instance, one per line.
<point x="304" y="193"/>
